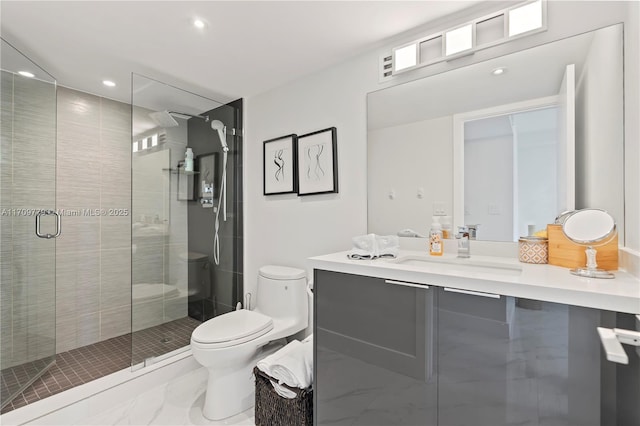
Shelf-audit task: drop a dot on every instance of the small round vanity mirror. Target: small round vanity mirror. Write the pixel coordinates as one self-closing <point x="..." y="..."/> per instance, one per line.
<point x="591" y="228"/>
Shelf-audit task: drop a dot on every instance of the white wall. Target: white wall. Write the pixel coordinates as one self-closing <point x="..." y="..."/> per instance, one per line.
<point x="288" y="229"/>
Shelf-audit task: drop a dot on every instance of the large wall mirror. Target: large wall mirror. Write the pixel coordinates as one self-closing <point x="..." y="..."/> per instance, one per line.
<point x="506" y="144"/>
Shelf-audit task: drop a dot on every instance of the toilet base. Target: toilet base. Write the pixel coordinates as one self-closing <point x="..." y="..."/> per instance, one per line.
<point x="231" y="392"/>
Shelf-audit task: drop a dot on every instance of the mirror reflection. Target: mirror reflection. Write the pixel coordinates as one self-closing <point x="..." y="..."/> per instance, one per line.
<point x="509" y="144"/>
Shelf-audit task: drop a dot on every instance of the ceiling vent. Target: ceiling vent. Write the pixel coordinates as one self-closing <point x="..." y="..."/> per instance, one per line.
<point x="386" y="67"/>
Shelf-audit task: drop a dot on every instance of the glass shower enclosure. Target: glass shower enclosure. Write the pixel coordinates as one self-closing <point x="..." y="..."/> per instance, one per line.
<point x="174" y="205"/>
<point x="29" y="222"/>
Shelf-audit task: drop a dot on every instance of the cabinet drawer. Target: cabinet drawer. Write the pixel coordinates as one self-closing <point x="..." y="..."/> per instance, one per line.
<point x="384" y="323"/>
<point x="478" y="304"/>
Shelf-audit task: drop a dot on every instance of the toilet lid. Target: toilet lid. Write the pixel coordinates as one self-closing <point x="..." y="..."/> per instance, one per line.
<point x="281" y="272"/>
<point x="235" y="325"/>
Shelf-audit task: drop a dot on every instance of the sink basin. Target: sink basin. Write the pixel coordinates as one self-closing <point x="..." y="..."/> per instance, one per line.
<point x="454" y="264"/>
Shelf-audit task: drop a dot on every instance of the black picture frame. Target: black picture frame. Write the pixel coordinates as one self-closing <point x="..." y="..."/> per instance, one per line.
<point x="280" y="165"/>
<point x="318" y="162"/>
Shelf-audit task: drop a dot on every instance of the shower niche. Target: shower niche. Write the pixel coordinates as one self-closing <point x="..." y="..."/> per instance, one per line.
<point x="207" y="181"/>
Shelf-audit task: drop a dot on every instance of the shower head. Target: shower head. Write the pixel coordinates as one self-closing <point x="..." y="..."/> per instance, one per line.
<point x="165" y="118"/>
<point x="219" y="126"/>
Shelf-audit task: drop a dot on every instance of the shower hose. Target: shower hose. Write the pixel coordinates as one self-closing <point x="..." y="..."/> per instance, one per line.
<point x="222" y="201"/>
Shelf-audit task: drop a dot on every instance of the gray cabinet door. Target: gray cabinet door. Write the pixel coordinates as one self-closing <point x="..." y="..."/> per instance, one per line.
<point x="529" y="363"/>
<point x="374" y="354"/>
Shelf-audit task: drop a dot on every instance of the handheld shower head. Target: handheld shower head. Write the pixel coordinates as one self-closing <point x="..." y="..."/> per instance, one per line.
<point x="219" y="126"/>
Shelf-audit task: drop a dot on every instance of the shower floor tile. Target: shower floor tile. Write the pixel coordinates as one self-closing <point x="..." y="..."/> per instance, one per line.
<point x="81" y="365"/>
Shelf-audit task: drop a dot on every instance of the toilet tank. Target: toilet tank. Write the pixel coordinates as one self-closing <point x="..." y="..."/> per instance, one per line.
<point x="282" y="292"/>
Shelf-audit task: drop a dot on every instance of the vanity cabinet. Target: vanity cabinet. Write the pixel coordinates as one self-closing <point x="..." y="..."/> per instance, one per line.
<point x="396" y="353"/>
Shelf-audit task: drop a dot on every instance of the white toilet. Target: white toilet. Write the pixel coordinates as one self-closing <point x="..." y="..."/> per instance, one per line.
<point x="230" y="345"/>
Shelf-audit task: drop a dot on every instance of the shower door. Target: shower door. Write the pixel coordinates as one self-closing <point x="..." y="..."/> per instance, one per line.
<point x="28" y="222"/>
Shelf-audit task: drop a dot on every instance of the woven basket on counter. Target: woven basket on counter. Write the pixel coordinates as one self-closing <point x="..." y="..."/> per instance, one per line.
<point x="275" y="410"/>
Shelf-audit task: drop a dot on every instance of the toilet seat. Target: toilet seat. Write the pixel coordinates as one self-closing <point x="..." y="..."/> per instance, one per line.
<point x="232" y="329"/>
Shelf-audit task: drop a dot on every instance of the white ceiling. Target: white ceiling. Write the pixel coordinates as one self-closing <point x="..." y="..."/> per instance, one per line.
<point x="248" y="47"/>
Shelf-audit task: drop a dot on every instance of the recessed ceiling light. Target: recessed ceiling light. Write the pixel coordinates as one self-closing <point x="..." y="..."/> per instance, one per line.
<point x="199" y="23"/>
<point x="499" y="71"/>
<point x="26" y="74"/>
<point x="108" y="83"/>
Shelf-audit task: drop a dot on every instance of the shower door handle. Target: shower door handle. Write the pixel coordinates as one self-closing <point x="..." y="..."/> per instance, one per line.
<point x="58" y="225"/>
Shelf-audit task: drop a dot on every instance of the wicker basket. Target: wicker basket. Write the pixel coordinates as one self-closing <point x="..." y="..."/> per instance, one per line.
<point x="275" y="410"/>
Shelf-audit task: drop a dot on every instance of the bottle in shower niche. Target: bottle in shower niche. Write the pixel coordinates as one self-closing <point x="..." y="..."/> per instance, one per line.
<point x="188" y="160"/>
<point x="436" y="245"/>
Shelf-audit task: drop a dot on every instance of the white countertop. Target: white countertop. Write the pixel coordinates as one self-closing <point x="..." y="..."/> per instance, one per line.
<point x="540" y="282"/>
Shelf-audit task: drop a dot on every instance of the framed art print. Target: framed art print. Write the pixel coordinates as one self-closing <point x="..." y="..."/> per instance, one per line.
<point x="318" y="162"/>
<point x="280" y="161"/>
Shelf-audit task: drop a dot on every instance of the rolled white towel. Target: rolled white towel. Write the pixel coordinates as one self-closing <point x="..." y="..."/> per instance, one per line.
<point x="282" y="391"/>
<point x="266" y="364"/>
<point x="295" y="367"/>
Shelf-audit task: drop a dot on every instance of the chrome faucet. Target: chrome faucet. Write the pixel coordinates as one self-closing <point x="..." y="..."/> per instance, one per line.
<point x="464" y="248"/>
<point x="473" y="231"/>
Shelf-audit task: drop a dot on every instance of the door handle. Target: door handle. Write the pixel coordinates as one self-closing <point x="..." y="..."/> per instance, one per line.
<point x="612" y="340"/>
<point x="406" y="284"/>
<point x="58" y="224"/>
<point x="472" y="293"/>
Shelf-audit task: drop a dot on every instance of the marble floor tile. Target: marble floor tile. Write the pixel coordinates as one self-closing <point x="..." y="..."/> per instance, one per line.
<point x="178" y="402"/>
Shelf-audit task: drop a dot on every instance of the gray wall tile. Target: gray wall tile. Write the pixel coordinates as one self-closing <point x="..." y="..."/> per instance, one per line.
<point x="78" y="107"/>
<point x="115" y="232"/>
<point x="115" y="322"/>
<point x="147" y="314"/>
<point x="116" y="116"/>
<point x="115" y="279"/>
<point x="88" y="329"/>
<point x="93" y="252"/>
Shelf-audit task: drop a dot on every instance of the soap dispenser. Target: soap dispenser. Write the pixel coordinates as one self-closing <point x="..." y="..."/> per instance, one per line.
<point x="188" y="160"/>
<point x="436" y="245"/>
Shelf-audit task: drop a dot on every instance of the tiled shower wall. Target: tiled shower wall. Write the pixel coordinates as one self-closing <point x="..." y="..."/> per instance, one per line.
<point x="93" y="253"/>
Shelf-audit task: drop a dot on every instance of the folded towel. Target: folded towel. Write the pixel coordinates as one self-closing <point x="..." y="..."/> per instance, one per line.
<point x="373" y="246"/>
<point x="291" y="365"/>
<point x="282" y="391"/>
<point x="266" y="364"/>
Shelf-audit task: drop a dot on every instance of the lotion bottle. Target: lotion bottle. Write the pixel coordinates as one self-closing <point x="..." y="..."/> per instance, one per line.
<point x="188" y="160"/>
<point x="436" y="245"/>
